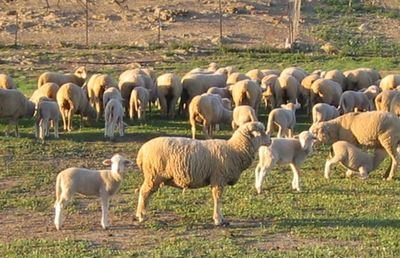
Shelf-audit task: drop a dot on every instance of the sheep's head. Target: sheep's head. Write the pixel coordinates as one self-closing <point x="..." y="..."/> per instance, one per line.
<point x="322" y="132"/>
<point x="81" y="72"/>
<point x="118" y="163"/>
<point x="256" y="132"/>
<point x="306" y="139"/>
<point x="291" y="106"/>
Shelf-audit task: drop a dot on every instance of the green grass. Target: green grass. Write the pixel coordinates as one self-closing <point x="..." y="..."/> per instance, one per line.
<point x="335" y="218"/>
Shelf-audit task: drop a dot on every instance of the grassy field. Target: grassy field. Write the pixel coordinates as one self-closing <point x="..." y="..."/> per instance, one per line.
<point x="336" y="218"/>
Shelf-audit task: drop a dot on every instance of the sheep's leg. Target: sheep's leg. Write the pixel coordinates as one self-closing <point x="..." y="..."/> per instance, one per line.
<point x="148" y="187"/>
<point x="64" y="116"/>
<point x="55" y="124"/>
<point x="217" y="196"/>
<point x="16" y="128"/>
<point x="391" y="150"/>
<point x="172" y="104"/>
<point x="206" y="130"/>
<point x="98" y="109"/>
<point x="261" y="172"/>
<point x="42" y="129"/>
<point x="120" y="127"/>
<point x="327" y="170"/>
<point x="290" y="132"/>
<point x="163" y="104"/>
<point x="58" y="219"/>
<point x="105" y="201"/>
<point x="279" y="132"/>
<point x="70" y="115"/>
<point x="363" y="173"/>
<point x="37" y="128"/>
<point x="296" y="177"/>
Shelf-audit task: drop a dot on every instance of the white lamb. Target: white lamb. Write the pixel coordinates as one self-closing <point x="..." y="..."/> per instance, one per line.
<point x="46" y="111"/>
<point x="101" y="183"/>
<point x="242" y="115"/>
<point x="113" y="116"/>
<point x="284" y="151"/>
<point x="284" y="118"/>
<point x="323" y="112"/>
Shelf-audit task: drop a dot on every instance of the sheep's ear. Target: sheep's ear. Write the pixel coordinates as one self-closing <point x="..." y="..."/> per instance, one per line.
<point x="107" y="162"/>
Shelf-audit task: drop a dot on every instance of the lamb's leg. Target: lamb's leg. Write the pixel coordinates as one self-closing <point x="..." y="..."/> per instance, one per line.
<point x="105" y="201"/>
<point x="172" y="105"/>
<point x="70" y="115"/>
<point x="37" y="128"/>
<point x="327" y="170"/>
<point x="262" y="172"/>
<point x="386" y="143"/>
<point x="290" y="132"/>
<point x="56" y="129"/>
<point x="121" y="127"/>
<point x="296" y="177"/>
<point x="64" y="116"/>
<point x="279" y="132"/>
<point x="217" y="196"/>
<point x="42" y="130"/>
<point x="148" y="187"/>
<point x="58" y="219"/>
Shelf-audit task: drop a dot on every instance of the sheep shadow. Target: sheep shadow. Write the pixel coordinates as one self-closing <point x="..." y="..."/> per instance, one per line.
<point x="354" y="223"/>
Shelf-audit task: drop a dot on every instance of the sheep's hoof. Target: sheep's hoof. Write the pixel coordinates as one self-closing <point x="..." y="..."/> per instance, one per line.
<point x="140" y="219"/>
<point x="259" y="191"/>
<point x="388" y="178"/>
<point x="224" y="224"/>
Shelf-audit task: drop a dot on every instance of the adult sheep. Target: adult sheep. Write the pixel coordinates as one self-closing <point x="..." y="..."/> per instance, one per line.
<point x="286" y="89"/>
<point x="187" y="163"/>
<point x="14" y="105"/>
<point x="255" y="74"/>
<point x="72" y="99"/>
<point x="374" y="130"/>
<point x="296" y="72"/>
<point x="336" y="76"/>
<point x="246" y="92"/>
<point x="384" y="99"/>
<point x="6" y="82"/>
<point x="325" y="91"/>
<point x="78" y="77"/>
<point x="305" y="90"/>
<point x="357" y="79"/>
<point x="390" y="82"/>
<point x="96" y="86"/>
<point x="169" y="90"/>
<point x="48" y="90"/>
<point x="236" y="77"/>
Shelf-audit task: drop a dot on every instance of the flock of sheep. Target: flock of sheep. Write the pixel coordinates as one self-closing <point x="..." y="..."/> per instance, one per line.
<point x="352" y="110"/>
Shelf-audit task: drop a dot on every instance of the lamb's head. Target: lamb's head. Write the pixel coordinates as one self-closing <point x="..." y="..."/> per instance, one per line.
<point x="306" y="139"/>
<point x="372" y="91"/>
<point x="291" y="106"/>
<point x="268" y="81"/>
<point x="323" y="132"/>
<point x="118" y="163"/>
<point x="255" y="131"/>
<point x="81" y="72"/>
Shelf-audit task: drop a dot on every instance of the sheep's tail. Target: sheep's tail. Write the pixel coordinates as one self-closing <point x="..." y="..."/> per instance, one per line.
<point x="58" y="190"/>
<point x="342" y="106"/>
<point x="331" y="152"/>
<point x="270" y="123"/>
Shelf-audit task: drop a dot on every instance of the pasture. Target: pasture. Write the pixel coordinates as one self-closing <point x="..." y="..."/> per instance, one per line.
<point x="329" y="218"/>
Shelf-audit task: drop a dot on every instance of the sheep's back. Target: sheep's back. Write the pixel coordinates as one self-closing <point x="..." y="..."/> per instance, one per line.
<point x="12" y="103"/>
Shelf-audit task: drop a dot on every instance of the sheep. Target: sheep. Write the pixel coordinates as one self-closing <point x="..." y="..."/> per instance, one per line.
<point x="390" y="82"/>
<point x="374" y="129"/>
<point x="296" y="72"/>
<point x="305" y="90"/>
<point x="96" y="86"/>
<point x="114" y="118"/>
<point x="138" y="103"/>
<point x="208" y="110"/>
<point x="187" y="163"/>
<point x="247" y="92"/>
<point x="242" y="115"/>
<point x="72" y="99"/>
<point x="357" y="79"/>
<point x="111" y="93"/>
<point x="284" y="151"/>
<point x="169" y="90"/>
<point x="236" y="77"/>
<point x="267" y="72"/>
<point x="46" y="111"/>
<point x="78" y="77"/>
<point x="325" y="91"/>
<point x="48" y="89"/>
<point x="358" y="100"/>
<point x="286" y="89"/>
<point x="353" y="158"/>
<point x="6" y="82"/>
<point x="255" y="74"/>
<point x="324" y="112"/>
<point x="268" y="90"/>
<point x="336" y="76"/>
<point x="284" y="118"/>
<point x="14" y="105"/>
<point x="100" y="183"/>
<point x="223" y="92"/>
<point x="212" y="67"/>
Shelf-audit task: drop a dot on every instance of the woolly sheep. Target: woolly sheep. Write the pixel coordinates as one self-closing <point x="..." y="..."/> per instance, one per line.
<point x="325" y="91"/>
<point x="267" y="72"/>
<point x="255" y="75"/>
<point x="357" y="79"/>
<point x="284" y="118"/>
<point x="6" y="82"/>
<point x="100" y="183"/>
<point x="111" y="93"/>
<point x="353" y="158"/>
<point x="323" y="112"/>
<point x="186" y="163"/>
<point x="373" y="74"/>
<point x="268" y="90"/>
<point x="72" y="99"/>
<point x="286" y="89"/>
<point x="296" y="72"/>
<point x="78" y="77"/>
<point x="305" y="90"/>
<point x="208" y="110"/>
<point x="223" y="92"/>
<point x="246" y="92"/>
<point x="236" y="77"/>
<point x="48" y="90"/>
<point x="284" y="151"/>
<point x="375" y="129"/>
<point x="114" y="118"/>
<point x="390" y="82"/>
<point x="14" y="105"/>
<point x="336" y="76"/>
<point x="169" y="90"/>
<point x="96" y="86"/>
<point x="46" y="112"/>
<point x="358" y="100"/>
<point x="138" y="103"/>
<point x="242" y="115"/>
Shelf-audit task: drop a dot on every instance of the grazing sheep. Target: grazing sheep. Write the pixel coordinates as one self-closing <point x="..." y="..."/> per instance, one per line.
<point x="336" y="76"/>
<point x="100" y="183"/>
<point x="46" y="112"/>
<point x="14" y="105"/>
<point x="48" y="90"/>
<point x="246" y="92"/>
<point x="72" y="99"/>
<point x="169" y="90"/>
<point x="96" y="86"/>
<point x="111" y="93"/>
<point x="373" y="130"/>
<point x="138" y="103"/>
<point x="267" y="72"/>
<point x="286" y="89"/>
<point x="296" y="72"/>
<point x="208" y="110"/>
<point x="305" y="90"/>
<point x="390" y="82"/>
<point x="268" y="88"/>
<point x="325" y="91"/>
<point x="357" y="79"/>
<point x="358" y="100"/>
<point x="128" y="80"/>
<point x="323" y="112"/>
<point x="255" y="75"/>
<point x="242" y="115"/>
<point x="284" y="151"/>
<point x="236" y="77"/>
<point x="6" y="82"/>
<point x="186" y="163"/>
<point x="353" y="158"/>
<point x="223" y="92"/>
<point x="78" y="77"/>
<point x="114" y="118"/>
<point x="284" y="118"/>
<point x="373" y="74"/>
